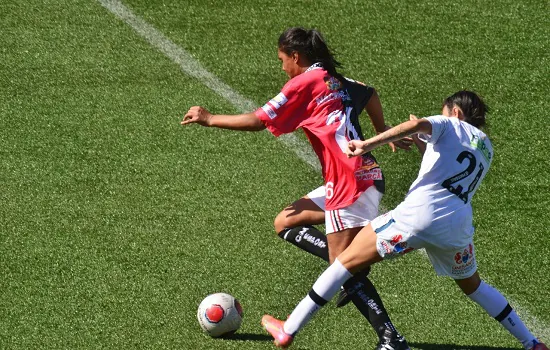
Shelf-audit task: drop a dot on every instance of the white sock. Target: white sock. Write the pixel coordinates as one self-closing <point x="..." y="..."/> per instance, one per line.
<point x="497" y="307"/>
<point x="324" y="289"/>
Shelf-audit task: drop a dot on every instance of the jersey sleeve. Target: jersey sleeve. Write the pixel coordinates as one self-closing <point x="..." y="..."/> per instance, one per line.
<point x="439" y="123"/>
<point x="285" y="112"/>
<point x="360" y="93"/>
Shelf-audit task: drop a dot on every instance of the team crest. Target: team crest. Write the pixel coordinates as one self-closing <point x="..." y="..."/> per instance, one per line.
<point x="464" y="261"/>
<point x="333" y="83"/>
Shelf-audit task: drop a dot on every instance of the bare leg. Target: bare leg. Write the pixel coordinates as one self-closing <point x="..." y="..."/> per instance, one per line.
<point x="339" y="241"/>
<point x="300" y="213"/>
<point x="362" y="252"/>
<point x="294" y="225"/>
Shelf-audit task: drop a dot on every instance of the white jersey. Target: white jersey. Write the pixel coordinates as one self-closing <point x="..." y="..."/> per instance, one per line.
<point x="457" y="157"/>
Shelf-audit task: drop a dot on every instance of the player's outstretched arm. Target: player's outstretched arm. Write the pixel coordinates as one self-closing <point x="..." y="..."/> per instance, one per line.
<point x="421" y="145"/>
<point x="244" y="122"/>
<point x="374" y="110"/>
<point x="358" y="147"/>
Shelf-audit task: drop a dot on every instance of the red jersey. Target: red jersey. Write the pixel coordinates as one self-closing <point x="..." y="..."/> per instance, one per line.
<point x="323" y="107"/>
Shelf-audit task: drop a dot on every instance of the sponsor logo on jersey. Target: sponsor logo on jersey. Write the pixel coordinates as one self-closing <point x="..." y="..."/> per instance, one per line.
<point x="340" y="95"/>
<point x="479" y="144"/>
<point x="370" y="174"/>
<point x="278" y="100"/>
<point x="269" y="111"/>
<point x="464" y="261"/>
<point x="368" y="163"/>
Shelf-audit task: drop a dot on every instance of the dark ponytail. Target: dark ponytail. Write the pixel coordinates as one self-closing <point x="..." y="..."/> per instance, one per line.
<point x="312" y="45"/>
<point x="472" y="106"/>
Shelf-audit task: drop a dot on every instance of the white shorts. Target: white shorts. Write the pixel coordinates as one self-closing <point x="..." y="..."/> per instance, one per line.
<point x="396" y="238"/>
<point x="358" y="214"/>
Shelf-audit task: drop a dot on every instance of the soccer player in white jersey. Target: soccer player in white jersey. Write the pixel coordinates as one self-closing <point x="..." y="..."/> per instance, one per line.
<point x="436" y="215"/>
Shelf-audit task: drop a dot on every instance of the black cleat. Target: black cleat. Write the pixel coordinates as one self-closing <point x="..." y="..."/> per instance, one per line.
<point x="398" y="343"/>
<point x="343" y="298"/>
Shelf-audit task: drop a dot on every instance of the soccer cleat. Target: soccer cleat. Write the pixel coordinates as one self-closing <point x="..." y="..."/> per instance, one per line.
<point x="343" y="298"/>
<point x="539" y="346"/>
<point x="394" y="344"/>
<point x="275" y="327"/>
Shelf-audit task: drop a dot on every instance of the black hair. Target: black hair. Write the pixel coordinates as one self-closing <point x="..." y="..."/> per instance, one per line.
<point x="472" y="106"/>
<point x="312" y="45"/>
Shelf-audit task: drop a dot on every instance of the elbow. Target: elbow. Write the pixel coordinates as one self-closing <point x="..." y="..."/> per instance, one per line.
<point x="258" y="127"/>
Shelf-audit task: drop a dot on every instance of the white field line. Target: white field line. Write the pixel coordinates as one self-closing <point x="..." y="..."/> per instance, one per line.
<point x="193" y="68"/>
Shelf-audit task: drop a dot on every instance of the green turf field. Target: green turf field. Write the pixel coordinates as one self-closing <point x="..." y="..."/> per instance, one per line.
<point x="116" y="221"/>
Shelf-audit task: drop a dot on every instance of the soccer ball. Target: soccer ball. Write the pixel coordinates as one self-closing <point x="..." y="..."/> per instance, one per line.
<point x="220" y="315"/>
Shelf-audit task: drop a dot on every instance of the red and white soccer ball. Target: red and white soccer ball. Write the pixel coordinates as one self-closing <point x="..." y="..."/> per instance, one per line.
<point x="220" y="315"/>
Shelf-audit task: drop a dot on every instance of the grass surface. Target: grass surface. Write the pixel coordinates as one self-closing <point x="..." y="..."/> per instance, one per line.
<point x="116" y="221"/>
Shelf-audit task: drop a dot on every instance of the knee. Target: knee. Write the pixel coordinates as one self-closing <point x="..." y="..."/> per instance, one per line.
<point x="470" y="284"/>
<point x="283" y="220"/>
<point x="280" y="222"/>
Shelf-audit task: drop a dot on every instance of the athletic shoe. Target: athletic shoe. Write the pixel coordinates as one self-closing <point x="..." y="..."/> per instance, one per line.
<point x="539" y="346"/>
<point x="394" y="344"/>
<point x="275" y="327"/>
<point x="343" y="298"/>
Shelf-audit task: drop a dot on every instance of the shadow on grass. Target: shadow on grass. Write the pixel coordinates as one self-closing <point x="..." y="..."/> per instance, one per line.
<point x="249" y="337"/>
<point x="426" y="346"/>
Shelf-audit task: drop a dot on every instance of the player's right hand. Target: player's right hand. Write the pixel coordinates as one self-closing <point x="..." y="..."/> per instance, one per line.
<point x="197" y="114"/>
<point x="356" y="148"/>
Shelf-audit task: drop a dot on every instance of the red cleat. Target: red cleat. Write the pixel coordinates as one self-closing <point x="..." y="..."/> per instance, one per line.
<point x="275" y="327"/>
<point x="539" y="346"/>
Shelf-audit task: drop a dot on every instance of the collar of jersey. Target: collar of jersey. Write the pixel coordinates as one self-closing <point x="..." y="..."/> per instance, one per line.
<point x="316" y="65"/>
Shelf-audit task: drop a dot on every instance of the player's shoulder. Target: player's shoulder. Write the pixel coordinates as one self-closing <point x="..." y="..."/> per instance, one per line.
<point x="306" y="79"/>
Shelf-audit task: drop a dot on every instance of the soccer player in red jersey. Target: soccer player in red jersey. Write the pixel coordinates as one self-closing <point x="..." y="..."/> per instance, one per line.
<point x="326" y="106"/>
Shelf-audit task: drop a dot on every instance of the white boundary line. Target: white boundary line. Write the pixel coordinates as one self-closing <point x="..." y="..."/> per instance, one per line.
<point x="193" y="68"/>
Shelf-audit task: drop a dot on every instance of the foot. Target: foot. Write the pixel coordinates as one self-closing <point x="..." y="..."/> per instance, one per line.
<point x="394" y="344"/>
<point x="539" y="346"/>
<point x="343" y="298"/>
<point x="275" y="327"/>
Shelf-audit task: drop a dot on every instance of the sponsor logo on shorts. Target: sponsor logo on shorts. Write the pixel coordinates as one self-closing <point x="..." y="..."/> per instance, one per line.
<point x="385" y="246"/>
<point x="398" y="246"/>
<point x="464" y="261"/>
<point x="396" y="239"/>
